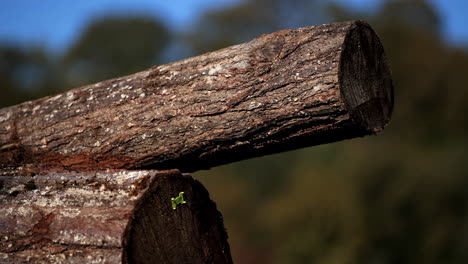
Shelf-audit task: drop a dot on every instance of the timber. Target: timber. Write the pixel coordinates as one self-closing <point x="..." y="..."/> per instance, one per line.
<point x="92" y="175"/>
<point x="286" y="90"/>
<point x="109" y="217"/>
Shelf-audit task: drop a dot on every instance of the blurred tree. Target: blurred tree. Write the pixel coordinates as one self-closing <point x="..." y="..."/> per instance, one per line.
<point x="10" y="61"/>
<point x="25" y="74"/>
<point x="114" y="46"/>
<point x="411" y="13"/>
<point x="221" y="28"/>
<point x="396" y="198"/>
<point x="110" y="47"/>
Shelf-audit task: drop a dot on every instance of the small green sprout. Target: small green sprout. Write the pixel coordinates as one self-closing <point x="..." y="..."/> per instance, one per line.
<point x="178" y="200"/>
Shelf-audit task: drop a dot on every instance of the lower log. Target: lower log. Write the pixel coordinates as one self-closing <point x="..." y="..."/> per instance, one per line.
<point x="112" y="217"/>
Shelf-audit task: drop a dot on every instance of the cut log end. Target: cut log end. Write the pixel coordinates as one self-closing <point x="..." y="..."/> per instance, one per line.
<point x="190" y="231"/>
<point x="366" y="79"/>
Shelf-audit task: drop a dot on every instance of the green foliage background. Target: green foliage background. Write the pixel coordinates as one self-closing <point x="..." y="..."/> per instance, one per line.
<point x="398" y="197"/>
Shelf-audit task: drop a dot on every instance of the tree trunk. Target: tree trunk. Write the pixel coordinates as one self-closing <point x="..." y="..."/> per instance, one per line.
<point x="111" y="217"/>
<point x="286" y="90"/>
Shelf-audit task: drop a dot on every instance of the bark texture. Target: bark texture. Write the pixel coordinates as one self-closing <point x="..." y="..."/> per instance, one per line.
<point x="286" y="90"/>
<point x="112" y="217"/>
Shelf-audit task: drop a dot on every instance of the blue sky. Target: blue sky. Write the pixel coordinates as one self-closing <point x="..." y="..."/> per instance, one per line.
<point x="56" y="23"/>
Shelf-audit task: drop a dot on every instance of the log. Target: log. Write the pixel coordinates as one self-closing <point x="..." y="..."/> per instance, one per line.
<point x="286" y="90"/>
<point x="109" y="217"/>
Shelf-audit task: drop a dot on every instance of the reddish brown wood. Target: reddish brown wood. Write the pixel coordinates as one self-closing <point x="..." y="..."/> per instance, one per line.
<point x="111" y="217"/>
<point x="285" y="90"/>
<point x="289" y="89"/>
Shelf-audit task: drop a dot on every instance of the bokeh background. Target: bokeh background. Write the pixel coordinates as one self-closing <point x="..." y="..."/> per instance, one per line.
<point x="398" y="197"/>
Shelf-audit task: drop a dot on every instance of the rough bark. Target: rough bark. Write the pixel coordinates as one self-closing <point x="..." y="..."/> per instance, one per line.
<point x="289" y="89"/>
<point x="109" y="217"/>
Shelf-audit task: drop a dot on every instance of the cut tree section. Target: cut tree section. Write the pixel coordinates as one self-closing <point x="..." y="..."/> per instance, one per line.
<point x="365" y="79"/>
<point x="286" y="90"/>
<point x="112" y="217"/>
